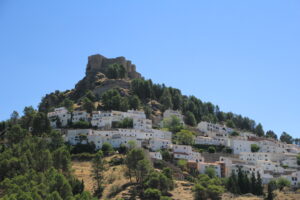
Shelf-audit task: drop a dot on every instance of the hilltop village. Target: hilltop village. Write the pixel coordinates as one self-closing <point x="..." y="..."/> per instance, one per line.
<point x="259" y="155"/>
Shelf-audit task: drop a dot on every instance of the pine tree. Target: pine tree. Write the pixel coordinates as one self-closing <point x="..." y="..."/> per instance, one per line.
<point x="98" y="168"/>
<point x="259" y="185"/>
<point x="253" y="183"/>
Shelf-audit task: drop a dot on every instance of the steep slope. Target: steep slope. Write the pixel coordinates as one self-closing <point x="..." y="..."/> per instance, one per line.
<point x="134" y="92"/>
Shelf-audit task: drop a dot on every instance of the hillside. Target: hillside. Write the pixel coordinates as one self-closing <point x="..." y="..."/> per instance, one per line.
<point x="116" y="78"/>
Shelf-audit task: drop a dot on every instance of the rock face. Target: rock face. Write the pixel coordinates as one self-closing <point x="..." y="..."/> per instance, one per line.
<point x="99" y="63"/>
<point x="95" y="78"/>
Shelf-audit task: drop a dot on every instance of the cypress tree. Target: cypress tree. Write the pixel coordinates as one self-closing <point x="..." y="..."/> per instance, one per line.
<point x="259" y="186"/>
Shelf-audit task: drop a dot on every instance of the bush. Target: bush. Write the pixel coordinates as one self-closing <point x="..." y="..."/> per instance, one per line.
<point x="254" y="148"/>
<point x="234" y="133"/>
<point x="182" y="164"/>
<point x="107" y="149"/>
<point x="158" y="164"/>
<point x="211" y="149"/>
<point x="282" y="182"/>
<point x="125" y="123"/>
<point x="152" y="194"/>
<point x="81" y="125"/>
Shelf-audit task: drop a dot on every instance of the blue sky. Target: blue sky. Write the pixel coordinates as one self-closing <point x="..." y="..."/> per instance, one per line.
<point x="241" y="55"/>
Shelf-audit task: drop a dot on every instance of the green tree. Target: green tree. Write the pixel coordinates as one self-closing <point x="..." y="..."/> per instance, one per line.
<point x="185" y="137"/>
<point x="253" y="183"/>
<point x="111" y="100"/>
<point x="190" y="119"/>
<point x="182" y="164"/>
<point x="272" y="185"/>
<point x="54" y="196"/>
<point x="173" y="124"/>
<point x="134" y="102"/>
<point x="61" y="159"/>
<point x="116" y="71"/>
<point x="27" y="119"/>
<point x="259" y="130"/>
<point x="259" y="186"/>
<point x="16" y="134"/>
<point x="14" y="117"/>
<point x="132" y="159"/>
<point x="254" y="148"/>
<point x="211" y="149"/>
<point x="88" y="105"/>
<point x="41" y="124"/>
<point x="285" y="137"/>
<point x="142" y="170"/>
<point x="282" y="182"/>
<point x="152" y="194"/>
<point x="166" y="99"/>
<point x="107" y="149"/>
<point x="298" y="159"/>
<point x="211" y="172"/>
<point x="69" y="104"/>
<point x="271" y="134"/>
<point x="97" y="172"/>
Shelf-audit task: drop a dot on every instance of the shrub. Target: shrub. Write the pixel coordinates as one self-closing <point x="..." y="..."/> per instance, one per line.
<point x="211" y="149"/>
<point x="107" y="149"/>
<point x="81" y="124"/>
<point x="254" y="148"/>
<point x="282" y="182"/>
<point x="152" y="194"/>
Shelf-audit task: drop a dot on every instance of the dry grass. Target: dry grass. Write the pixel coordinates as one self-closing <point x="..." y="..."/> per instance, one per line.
<point x="113" y="176"/>
<point x="83" y="171"/>
<point x="182" y="190"/>
<point x="114" y="179"/>
<point x="287" y="195"/>
<point x="229" y="196"/>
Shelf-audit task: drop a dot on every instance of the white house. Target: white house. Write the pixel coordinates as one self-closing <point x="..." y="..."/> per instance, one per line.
<point x="80" y="116"/>
<point x="238" y="145"/>
<point x="214" y="130"/>
<point x="211" y="141"/>
<point x="155" y="155"/>
<point x="204" y="165"/>
<point x="76" y="136"/>
<point x="141" y="123"/>
<point x="185" y="152"/>
<point x="106" y="119"/>
<point x="157" y="144"/>
<point x="61" y="114"/>
<point x="294" y="178"/>
<point x="254" y="157"/>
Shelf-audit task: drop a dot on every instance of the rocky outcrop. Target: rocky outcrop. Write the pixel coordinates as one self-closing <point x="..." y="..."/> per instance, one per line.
<point x="96" y="80"/>
<point x="99" y="63"/>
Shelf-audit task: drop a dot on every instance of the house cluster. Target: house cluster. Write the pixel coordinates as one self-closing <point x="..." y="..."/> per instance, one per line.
<point x="273" y="159"/>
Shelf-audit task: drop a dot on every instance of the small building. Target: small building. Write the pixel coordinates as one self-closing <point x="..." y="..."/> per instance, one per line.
<point x="214" y="130"/>
<point x="155" y="155"/>
<point x="80" y="116"/>
<point x="157" y="144"/>
<point x="211" y="141"/>
<point x="59" y="116"/>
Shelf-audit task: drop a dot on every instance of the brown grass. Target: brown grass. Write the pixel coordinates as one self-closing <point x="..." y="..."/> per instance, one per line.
<point x="114" y="179"/>
<point x="113" y="176"/>
<point x="83" y="171"/>
<point x="182" y="190"/>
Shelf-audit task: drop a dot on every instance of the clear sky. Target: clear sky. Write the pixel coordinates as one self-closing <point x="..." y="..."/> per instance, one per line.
<point x="241" y="55"/>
